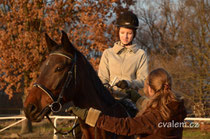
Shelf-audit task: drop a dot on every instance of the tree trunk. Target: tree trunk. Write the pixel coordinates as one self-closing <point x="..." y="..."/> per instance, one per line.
<point x="26" y="124"/>
<point x="26" y="127"/>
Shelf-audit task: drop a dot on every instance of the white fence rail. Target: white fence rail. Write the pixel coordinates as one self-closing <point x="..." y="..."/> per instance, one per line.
<point x="12" y="117"/>
<point x="73" y="118"/>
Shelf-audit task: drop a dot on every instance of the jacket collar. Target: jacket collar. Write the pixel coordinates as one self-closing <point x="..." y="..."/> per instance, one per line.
<point x="118" y="47"/>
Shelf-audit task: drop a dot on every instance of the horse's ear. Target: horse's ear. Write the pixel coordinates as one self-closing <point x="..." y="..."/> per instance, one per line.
<point x="66" y="43"/>
<point x="51" y="45"/>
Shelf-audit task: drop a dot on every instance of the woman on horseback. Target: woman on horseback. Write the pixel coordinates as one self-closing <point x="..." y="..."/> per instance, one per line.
<point x="125" y="65"/>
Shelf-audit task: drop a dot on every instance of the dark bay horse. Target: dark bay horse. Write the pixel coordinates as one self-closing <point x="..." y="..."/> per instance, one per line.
<point x="66" y="76"/>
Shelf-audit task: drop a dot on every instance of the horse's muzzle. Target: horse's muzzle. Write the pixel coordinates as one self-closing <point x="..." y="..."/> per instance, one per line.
<point x="33" y="114"/>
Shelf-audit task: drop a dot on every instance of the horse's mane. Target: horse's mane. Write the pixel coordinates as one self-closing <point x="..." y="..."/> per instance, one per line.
<point x="104" y="94"/>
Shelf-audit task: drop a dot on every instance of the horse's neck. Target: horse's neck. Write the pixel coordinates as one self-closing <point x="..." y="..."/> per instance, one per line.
<point x="92" y="93"/>
<point x="88" y="97"/>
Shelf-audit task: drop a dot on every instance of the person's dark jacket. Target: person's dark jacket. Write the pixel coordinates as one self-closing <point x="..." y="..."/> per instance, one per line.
<point x="149" y="125"/>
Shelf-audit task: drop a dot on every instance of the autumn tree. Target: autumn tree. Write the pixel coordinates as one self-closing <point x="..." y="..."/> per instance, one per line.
<point x="23" y="23"/>
<point x="175" y="35"/>
<point x="22" y="45"/>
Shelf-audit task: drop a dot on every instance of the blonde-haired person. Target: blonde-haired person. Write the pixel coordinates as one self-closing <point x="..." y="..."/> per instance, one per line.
<point x="125" y="65"/>
<point x="162" y="117"/>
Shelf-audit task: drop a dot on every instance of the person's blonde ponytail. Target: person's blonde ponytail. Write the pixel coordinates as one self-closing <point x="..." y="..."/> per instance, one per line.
<point x="160" y="81"/>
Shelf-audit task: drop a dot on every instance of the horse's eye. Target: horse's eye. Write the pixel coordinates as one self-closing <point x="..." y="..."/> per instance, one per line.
<point x="59" y="68"/>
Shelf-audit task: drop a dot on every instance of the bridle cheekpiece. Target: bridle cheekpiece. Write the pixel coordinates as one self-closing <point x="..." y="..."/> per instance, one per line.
<point x="56" y="104"/>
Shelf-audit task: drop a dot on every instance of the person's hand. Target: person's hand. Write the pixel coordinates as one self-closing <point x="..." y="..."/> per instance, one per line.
<point x="81" y="113"/>
<point x="133" y="95"/>
<point x="107" y="85"/>
<point x="123" y="84"/>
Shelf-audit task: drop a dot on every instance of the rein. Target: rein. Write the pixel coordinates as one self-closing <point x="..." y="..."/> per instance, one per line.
<point x="59" y="131"/>
<point x="56" y="106"/>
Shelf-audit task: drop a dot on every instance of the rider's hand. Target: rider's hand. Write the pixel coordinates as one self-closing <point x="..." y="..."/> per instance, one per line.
<point x="123" y="84"/>
<point x="81" y="113"/>
<point x="107" y="85"/>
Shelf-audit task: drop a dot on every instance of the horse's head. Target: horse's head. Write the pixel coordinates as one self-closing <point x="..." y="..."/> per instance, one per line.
<point x="57" y="74"/>
<point x="67" y="76"/>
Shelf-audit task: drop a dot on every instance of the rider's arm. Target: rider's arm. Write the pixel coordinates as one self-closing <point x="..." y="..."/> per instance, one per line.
<point x="141" y="73"/>
<point x="103" y="71"/>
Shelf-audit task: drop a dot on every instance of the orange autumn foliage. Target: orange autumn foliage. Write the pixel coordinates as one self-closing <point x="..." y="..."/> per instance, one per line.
<point x="24" y="22"/>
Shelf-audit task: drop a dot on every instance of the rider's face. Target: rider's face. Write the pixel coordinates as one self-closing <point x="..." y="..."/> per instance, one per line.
<point x="126" y="35"/>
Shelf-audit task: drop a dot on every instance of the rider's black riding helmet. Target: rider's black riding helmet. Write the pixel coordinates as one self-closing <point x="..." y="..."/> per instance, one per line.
<point x="128" y="20"/>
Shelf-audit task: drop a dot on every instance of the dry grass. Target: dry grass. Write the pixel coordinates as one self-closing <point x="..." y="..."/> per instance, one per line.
<point x="44" y="130"/>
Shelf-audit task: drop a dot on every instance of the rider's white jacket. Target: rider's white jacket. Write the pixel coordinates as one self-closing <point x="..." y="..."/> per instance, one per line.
<point x="128" y="63"/>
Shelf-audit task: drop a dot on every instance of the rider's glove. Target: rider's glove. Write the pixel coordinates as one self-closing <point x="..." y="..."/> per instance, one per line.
<point x="81" y="113"/>
<point x="107" y="85"/>
<point x="123" y="84"/>
<point x="89" y="115"/>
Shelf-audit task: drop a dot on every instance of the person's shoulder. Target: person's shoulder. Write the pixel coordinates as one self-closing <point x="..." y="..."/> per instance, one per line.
<point x="178" y="109"/>
<point x="107" y="51"/>
<point x="176" y="105"/>
<point x="140" y="50"/>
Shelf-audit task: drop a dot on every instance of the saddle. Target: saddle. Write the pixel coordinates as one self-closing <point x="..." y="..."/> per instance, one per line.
<point x="123" y="99"/>
<point x="129" y="106"/>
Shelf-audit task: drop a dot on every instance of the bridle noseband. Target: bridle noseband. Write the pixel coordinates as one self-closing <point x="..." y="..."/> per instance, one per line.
<point x="56" y="104"/>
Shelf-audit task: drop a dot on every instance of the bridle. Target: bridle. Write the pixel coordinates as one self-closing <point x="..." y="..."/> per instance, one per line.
<point x="56" y="106"/>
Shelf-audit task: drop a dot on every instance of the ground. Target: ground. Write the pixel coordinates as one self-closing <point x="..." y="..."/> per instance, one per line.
<point x="44" y="130"/>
